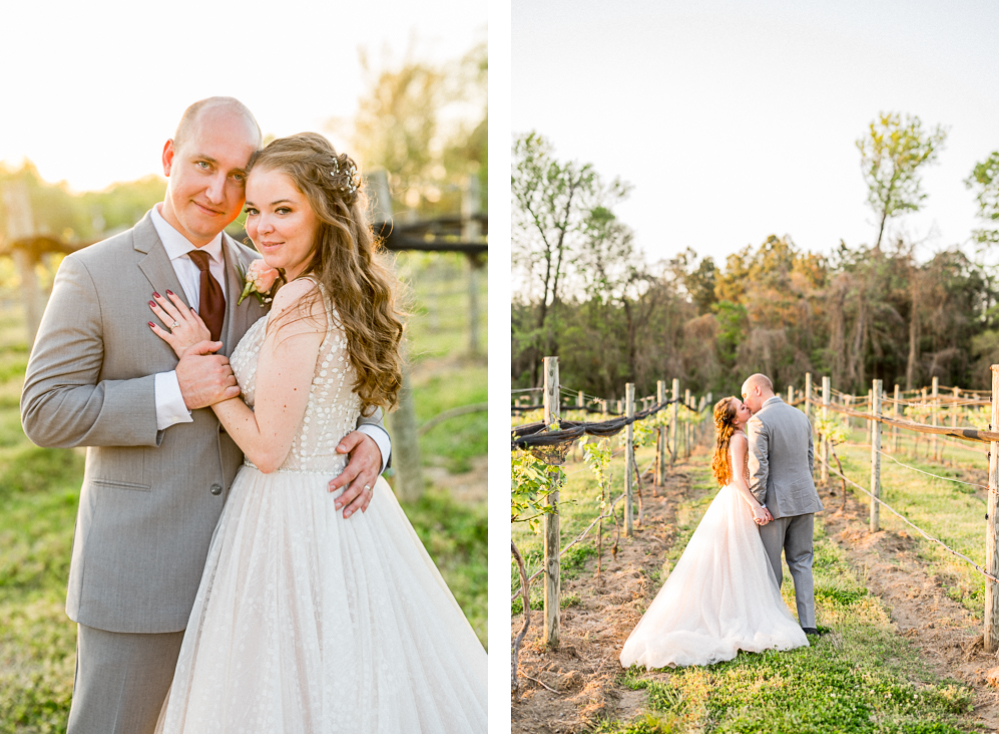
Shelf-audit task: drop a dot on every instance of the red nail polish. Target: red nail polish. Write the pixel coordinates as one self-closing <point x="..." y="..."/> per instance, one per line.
<point x="151" y="324"/>
<point x="151" y="304"/>
<point x="170" y="293"/>
<point x="157" y="295"/>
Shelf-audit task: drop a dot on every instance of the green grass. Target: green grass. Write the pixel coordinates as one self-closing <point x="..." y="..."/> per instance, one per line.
<point x="861" y="677"/>
<point x="947" y="510"/>
<point x="39" y="493"/>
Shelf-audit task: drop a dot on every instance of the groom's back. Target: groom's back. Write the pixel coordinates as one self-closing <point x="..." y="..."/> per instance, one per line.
<point x="784" y="433"/>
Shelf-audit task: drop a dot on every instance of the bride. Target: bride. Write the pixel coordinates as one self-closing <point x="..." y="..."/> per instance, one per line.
<point x="305" y="620"/>
<point x="722" y="595"/>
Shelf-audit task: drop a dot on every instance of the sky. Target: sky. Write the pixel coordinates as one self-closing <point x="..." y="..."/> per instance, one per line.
<point x="738" y="120"/>
<point x="91" y="91"/>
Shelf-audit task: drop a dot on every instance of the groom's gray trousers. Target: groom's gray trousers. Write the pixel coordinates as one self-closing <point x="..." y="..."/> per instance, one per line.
<point x="795" y="535"/>
<point x="121" y="680"/>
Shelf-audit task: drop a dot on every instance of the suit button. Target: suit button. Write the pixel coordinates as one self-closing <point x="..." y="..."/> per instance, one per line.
<point x="216" y="489"/>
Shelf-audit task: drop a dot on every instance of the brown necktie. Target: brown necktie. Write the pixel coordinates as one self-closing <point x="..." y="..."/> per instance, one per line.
<point x="211" y="302"/>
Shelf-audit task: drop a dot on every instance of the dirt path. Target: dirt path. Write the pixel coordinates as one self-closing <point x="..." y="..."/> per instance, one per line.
<point x="947" y="636"/>
<point x="583" y="670"/>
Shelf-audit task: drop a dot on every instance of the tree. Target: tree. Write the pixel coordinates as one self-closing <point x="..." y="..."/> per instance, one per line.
<point x="892" y="154"/>
<point x="984" y="179"/>
<point x="553" y="205"/>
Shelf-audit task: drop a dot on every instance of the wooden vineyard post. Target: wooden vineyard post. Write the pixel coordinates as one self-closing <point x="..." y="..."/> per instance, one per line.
<point x="876" y="484"/>
<point x="687" y="425"/>
<point x="550" y="520"/>
<point x="895" y="414"/>
<point x="661" y="438"/>
<point x="824" y="469"/>
<point x="871" y="424"/>
<point x="934" y="417"/>
<point x="791" y="394"/>
<point x="675" y="390"/>
<point x="629" y="456"/>
<point x="808" y="394"/>
<point x="991" y="616"/>
<point x="956" y="395"/>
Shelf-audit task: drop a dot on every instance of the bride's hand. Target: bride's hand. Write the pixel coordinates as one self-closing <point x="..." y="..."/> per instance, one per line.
<point x="185" y="327"/>
<point x="761" y="516"/>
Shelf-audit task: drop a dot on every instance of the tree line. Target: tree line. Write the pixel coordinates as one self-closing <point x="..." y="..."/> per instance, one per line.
<point x="584" y="292"/>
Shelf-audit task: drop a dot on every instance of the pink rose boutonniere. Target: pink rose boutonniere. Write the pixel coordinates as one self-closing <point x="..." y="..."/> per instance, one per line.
<point x="259" y="280"/>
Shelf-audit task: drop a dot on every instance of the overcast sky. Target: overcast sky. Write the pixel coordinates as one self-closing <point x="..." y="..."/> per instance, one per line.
<point x="736" y="120"/>
<point x="91" y="90"/>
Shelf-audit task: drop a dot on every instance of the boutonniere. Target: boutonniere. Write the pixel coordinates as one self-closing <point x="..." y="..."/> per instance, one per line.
<point x="258" y="279"/>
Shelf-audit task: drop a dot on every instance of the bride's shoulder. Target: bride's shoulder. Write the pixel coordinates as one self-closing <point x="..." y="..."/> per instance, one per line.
<point x="296" y="299"/>
<point x="739" y="438"/>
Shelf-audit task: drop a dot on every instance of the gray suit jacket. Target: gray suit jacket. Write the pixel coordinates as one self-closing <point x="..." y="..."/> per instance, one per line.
<point x="150" y="499"/>
<point x="781" y="460"/>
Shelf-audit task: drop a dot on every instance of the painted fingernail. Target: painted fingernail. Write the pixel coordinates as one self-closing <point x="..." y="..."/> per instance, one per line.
<point x="157" y="295"/>
<point x="152" y="304"/>
<point x="170" y="293"/>
<point x="151" y="324"/>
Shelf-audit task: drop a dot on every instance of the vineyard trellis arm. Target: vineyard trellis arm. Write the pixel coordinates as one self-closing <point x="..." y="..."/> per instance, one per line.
<point x="966" y="434"/>
<point x="533" y="434"/>
<point x="964" y="557"/>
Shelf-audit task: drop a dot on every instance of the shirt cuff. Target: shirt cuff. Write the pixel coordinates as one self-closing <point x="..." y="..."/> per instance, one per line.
<point x="170" y="407"/>
<point x="381" y="439"/>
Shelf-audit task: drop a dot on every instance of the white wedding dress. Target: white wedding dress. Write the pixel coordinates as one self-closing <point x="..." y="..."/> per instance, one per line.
<point x="720" y="597"/>
<point x="309" y="623"/>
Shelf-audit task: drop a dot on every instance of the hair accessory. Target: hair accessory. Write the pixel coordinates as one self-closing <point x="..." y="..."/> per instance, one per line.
<point x="350" y="171"/>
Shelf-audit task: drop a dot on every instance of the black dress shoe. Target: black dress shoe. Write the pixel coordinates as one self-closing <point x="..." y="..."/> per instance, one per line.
<point x="813" y="631"/>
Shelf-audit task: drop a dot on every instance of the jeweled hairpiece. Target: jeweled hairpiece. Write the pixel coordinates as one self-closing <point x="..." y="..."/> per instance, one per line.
<point x="351" y="175"/>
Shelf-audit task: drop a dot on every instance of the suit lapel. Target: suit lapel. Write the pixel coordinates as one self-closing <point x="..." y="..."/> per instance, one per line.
<point x="153" y="260"/>
<point x="238" y="318"/>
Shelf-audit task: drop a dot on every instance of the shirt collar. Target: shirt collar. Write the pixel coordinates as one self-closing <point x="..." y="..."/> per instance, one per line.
<point x="177" y="245"/>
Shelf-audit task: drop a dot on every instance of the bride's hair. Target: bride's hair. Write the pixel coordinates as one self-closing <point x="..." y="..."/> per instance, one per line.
<point x="347" y="261"/>
<point x="724" y="413"/>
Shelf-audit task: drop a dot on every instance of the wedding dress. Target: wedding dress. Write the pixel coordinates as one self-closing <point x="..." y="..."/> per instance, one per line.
<point x="720" y="597"/>
<point x="308" y="623"/>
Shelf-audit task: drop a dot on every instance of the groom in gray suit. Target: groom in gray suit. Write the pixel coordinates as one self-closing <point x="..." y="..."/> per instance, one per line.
<point x="781" y="471"/>
<point x="159" y="465"/>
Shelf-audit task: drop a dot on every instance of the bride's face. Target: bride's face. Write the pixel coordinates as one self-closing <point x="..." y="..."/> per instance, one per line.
<point x="742" y="413"/>
<point x="280" y="221"/>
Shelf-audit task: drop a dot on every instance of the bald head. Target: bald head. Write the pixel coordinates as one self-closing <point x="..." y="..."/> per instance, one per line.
<point x="229" y="108"/>
<point x="757" y="389"/>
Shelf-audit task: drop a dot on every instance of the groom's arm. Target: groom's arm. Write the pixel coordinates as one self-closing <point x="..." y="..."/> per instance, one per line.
<point x="757" y="461"/>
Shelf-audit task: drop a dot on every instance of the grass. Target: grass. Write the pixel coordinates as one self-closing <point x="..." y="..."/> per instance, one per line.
<point x="947" y="510"/>
<point x="39" y="493"/>
<point x="861" y="677"/>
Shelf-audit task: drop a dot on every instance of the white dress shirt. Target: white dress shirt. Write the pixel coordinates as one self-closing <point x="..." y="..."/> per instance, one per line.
<point x="170" y="407"/>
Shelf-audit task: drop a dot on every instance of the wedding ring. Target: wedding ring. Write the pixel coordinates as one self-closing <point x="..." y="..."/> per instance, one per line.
<point x="175" y="324"/>
<point x="368" y="488"/>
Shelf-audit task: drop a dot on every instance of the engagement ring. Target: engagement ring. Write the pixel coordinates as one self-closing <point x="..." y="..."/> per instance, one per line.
<point x="175" y="324"/>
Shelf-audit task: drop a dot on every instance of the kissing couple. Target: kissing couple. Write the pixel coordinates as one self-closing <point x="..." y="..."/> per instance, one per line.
<point x="724" y="593"/>
<point x="239" y="564"/>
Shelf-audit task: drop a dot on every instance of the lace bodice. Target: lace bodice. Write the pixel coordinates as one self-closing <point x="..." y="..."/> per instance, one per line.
<point x="746" y="458"/>
<point x="333" y="407"/>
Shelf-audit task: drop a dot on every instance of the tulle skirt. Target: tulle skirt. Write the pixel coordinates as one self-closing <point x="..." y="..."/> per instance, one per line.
<point x="306" y="622"/>
<point x="720" y="598"/>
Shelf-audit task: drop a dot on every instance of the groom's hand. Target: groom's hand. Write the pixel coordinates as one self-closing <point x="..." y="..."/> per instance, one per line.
<point x="359" y="475"/>
<point x="205" y="378"/>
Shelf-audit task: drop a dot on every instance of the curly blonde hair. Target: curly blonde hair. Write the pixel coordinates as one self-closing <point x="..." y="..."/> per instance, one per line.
<point x="347" y="261"/>
<point x="724" y="413"/>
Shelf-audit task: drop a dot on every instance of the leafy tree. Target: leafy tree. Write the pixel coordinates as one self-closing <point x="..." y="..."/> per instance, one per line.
<point x="892" y="154"/>
<point x="984" y="179"/>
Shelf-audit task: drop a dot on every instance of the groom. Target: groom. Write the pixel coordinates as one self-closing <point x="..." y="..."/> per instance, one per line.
<point x="159" y="465"/>
<point x="781" y="468"/>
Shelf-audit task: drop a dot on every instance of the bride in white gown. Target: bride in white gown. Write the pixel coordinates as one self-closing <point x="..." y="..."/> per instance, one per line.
<point x="308" y="622"/>
<point x="721" y="596"/>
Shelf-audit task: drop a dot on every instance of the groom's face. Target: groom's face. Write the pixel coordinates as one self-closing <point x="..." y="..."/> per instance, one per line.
<point x="207" y="173"/>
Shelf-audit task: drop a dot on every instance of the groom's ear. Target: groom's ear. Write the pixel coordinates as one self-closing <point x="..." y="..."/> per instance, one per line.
<point x="168" y="157"/>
